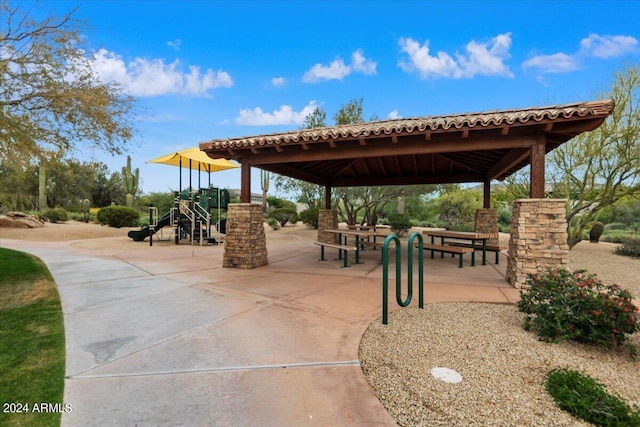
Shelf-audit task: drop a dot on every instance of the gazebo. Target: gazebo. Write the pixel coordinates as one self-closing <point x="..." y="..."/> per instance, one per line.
<point x="460" y="148"/>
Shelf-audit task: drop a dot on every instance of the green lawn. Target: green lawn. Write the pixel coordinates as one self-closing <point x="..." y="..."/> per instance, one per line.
<point x="32" y="350"/>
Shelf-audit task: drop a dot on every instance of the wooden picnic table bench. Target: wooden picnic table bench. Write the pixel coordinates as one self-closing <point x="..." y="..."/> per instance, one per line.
<point x="340" y="248"/>
<point x="453" y="250"/>
<point x="489" y="248"/>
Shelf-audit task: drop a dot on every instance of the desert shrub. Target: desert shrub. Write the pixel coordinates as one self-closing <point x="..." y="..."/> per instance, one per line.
<point x="586" y="398"/>
<point x="616" y="236"/>
<point x="143" y="221"/>
<point x="273" y="223"/>
<point x="504" y="218"/>
<point x="284" y="215"/>
<point x="310" y="217"/>
<point x="615" y="226"/>
<point x="578" y="306"/>
<point x="400" y="223"/>
<point x="630" y="247"/>
<point x="78" y="216"/>
<point x="118" y="216"/>
<point x="56" y="215"/>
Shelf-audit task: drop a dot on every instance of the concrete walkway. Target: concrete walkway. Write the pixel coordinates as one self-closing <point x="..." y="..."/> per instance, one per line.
<point x="164" y="336"/>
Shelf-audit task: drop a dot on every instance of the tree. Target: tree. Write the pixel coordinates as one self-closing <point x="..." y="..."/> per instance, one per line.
<point x="317" y="119"/>
<point x="597" y="169"/>
<point x="50" y="98"/>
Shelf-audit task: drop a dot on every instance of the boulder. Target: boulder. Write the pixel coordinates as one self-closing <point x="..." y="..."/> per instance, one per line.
<point x="20" y="220"/>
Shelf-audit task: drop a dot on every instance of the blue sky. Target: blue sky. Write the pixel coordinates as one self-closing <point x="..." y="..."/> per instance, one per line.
<point x="203" y="70"/>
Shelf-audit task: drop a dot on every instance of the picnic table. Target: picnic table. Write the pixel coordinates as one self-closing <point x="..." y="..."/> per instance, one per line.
<point x="474" y="237"/>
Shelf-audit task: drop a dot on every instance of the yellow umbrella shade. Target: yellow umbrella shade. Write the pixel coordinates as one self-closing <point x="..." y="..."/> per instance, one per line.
<point x="199" y="160"/>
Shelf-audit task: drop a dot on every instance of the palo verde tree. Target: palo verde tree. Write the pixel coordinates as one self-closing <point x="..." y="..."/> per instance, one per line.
<point x="599" y="168"/>
<point x="50" y="98"/>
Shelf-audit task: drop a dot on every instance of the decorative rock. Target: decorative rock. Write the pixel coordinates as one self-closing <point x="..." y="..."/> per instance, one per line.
<point x="20" y="220"/>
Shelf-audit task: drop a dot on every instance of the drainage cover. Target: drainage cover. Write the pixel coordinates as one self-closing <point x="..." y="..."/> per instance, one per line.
<point x="447" y="375"/>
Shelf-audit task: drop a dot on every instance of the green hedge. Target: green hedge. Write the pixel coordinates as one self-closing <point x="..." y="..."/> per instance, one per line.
<point x="118" y="216"/>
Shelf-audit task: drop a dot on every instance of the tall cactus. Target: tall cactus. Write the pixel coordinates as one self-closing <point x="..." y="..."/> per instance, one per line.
<point x="42" y="187"/>
<point x="264" y="183"/>
<point x="130" y="181"/>
<point x="86" y="210"/>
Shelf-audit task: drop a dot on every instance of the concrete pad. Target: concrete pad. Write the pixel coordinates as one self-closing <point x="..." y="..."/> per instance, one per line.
<point x="279" y="396"/>
<point x="266" y="336"/>
<point x="102" y="334"/>
<point x="166" y="336"/>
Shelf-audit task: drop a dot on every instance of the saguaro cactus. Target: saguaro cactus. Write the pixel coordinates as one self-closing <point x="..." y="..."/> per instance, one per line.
<point x="42" y="188"/>
<point x="86" y="207"/>
<point x="130" y="181"/>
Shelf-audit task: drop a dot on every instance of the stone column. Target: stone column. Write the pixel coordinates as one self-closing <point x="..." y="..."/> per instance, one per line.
<point x="538" y="239"/>
<point x="327" y="220"/>
<point x="487" y="222"/>
<point x="245" y="244"/>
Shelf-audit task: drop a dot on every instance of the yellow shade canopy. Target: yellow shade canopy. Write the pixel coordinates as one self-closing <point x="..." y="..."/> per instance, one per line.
<point x="199" y="161"/>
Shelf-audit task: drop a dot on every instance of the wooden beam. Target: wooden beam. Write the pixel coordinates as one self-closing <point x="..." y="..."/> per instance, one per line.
<point x="427" y="136"/>
<point x="406" y="180"/>
<point x="278" y="148"/>
<point x="304" y="146"/>
<point x="394" y="139"/>
<point x="538" y="152"/>
<point x="465" y="134"/>
<point x="245" y="183"/>
<point x="362" y="141"/>
<point x="504" y="131"/>
<point x="254" y="150"/>
<point x="409" y="147"/>
<point x="296" y="173"/>
<point x="515" y="156"/>
<point x="486" y="194"/>
<point x="332" y="144"/>
<point x="327" y="197"/>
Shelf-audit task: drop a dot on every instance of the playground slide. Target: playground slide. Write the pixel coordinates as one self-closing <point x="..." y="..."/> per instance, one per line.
<point x="140" y="235"/>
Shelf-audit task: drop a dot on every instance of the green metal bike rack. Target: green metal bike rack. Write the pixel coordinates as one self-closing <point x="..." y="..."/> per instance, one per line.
<point x="385" y="273"/>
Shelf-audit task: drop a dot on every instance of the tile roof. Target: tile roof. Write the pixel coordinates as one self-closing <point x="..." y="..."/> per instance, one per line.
<point x="487" y="119"/>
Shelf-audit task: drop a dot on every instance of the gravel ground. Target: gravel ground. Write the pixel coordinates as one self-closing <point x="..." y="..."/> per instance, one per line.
<point x="502" y="366"/>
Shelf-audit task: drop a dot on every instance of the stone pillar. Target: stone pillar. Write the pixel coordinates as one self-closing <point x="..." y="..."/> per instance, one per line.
<point x="245" y="244"/>
<point x="487" y="222"/>
<point x="538" y="239"/>
<point x="327" y="220"/>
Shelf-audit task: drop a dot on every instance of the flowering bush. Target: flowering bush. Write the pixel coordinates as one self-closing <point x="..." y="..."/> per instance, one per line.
<point x="578" y="306"/>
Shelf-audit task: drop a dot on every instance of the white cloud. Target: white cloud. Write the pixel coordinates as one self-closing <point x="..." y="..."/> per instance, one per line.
<point x="479" y="59"/>
<point x="338" y="70"/>
<point x="145" y="77"/>
<point x="594" y="46"/>
<point x="278" y="81"/>
<point x="175" y="44"/>
<point x="362" y="64"/>
<point x="607" y="46"/>
<point x="394" y="115"/>
<point x="285" y="115"/>
<point x="556" y="63"/>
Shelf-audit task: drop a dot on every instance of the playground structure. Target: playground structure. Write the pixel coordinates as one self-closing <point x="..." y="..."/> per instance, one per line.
<point x="199" y="216"/>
